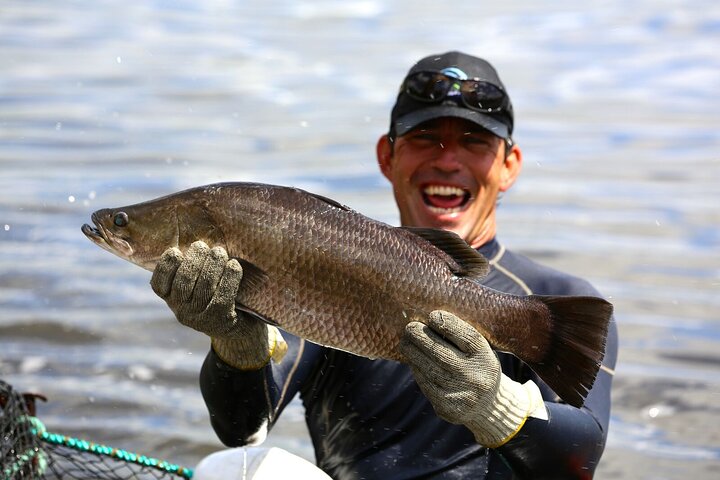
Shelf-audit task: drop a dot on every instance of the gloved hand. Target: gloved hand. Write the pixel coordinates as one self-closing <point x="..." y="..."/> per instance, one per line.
<point x="460" y="374"/>
<point x="200" y="288"/>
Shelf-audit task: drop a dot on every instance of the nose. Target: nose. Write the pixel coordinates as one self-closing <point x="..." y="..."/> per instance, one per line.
<point x="447" y="158"/>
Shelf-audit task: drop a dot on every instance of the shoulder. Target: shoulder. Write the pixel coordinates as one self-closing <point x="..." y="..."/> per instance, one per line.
<point x="515" y="273"/>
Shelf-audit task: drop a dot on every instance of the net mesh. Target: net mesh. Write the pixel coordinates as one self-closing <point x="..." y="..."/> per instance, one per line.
<point x="29" y="451"/>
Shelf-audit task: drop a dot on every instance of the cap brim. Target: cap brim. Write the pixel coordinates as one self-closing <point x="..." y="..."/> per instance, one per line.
<point x="407" y="122"/>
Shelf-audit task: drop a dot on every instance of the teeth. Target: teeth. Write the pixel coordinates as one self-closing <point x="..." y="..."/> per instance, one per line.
<point x="443" y="211"/>
<point x="444" y="190"/>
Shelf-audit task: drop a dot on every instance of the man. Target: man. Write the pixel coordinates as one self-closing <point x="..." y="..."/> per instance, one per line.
<point x="457" y="409"/>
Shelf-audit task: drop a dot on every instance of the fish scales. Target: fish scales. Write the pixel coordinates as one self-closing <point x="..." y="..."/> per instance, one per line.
<point x="324" y="272"/>
<point x="329" y="274"/>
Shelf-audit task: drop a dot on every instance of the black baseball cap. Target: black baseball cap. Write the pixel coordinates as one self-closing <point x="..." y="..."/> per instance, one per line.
<point x="409" y="112"/>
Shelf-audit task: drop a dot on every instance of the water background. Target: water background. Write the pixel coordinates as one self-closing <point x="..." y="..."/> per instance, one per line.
<point x="106" y="103"/>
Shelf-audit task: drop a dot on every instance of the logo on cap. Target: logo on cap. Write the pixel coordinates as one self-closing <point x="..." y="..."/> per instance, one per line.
<point x="454" y="72"/>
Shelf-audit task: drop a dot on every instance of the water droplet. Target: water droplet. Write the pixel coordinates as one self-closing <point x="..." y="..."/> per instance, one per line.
<point x="140" y="372"/>
<point x="304" y="123"/>
<point x="119" y="60"/>
<point x="32" y="364"/>
<point x="657" y="222"/>
<point x="58" y="126"/>
<point x="92" y="195"/>
<point x="659" y="410"/>
<point x="7" y="227"/>
<point x="71" y="199"/>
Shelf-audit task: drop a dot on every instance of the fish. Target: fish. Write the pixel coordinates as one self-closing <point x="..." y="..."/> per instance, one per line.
<point x="319" y="270"/>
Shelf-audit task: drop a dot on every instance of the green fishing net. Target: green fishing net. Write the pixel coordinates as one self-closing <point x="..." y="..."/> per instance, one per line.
<point x="29" y="451"/>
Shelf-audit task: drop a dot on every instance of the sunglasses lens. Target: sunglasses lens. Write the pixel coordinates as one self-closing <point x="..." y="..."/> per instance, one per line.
<point x="476" y="94"/>
<point x="427" y="86"/>
<point x="483" y="96"/>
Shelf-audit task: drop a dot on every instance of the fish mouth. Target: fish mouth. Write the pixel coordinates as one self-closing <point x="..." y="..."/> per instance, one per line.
<point x="105" y="239"/>
<point x="93" y="234"/>
<point x="443" y="199"/>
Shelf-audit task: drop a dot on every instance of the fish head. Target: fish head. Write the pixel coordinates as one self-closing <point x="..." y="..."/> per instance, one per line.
<point x="137" y="233"/>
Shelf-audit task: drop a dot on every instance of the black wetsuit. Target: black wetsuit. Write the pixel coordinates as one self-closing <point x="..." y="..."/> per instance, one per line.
<point x="368" y="419"/>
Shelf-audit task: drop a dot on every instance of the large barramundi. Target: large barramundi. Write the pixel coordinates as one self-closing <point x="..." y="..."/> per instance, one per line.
<point x="324" y="272"/>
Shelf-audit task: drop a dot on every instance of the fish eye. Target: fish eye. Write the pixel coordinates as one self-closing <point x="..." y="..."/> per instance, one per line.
<point x="121" y="219"/>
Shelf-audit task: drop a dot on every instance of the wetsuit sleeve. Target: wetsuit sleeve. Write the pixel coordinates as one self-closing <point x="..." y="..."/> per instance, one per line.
<point x="244" y="405"/>
<point x="569" y="444"/>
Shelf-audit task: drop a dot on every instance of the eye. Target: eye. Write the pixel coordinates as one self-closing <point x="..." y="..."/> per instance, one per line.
<point x="476" y="139"/>
<point x="121" y="219"/>
<point x="424" y="137"/>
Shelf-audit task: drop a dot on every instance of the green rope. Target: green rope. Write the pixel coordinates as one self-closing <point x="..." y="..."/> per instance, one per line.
<point x="84" y="446"/>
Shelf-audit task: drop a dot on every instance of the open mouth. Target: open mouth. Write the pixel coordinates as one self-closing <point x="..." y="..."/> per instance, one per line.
<point x="445" y="199"/>
<point x="91" y="232"/>
<point x="103" y="238"/>
<point x="97" y="235"/>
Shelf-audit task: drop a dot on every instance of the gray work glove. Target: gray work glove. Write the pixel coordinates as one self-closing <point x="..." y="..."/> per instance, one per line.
<point x="200" y="288"/>
<point x="460" y="374"/>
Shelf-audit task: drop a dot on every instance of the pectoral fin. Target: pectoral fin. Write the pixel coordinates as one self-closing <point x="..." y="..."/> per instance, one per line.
<point x="249" y="311"/>
<point x="253" y="277"/>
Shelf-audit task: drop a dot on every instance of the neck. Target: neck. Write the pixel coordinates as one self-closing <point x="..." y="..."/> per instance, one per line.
<point x="482" y="233"/>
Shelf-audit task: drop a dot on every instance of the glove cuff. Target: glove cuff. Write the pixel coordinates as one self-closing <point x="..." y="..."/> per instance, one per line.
<point x="251" y="352"/>
<point x="503" y="418"/>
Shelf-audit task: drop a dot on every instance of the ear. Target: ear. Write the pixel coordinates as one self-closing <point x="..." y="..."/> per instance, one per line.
<point x="384" y="152"/>
<point x="511" y="167"/>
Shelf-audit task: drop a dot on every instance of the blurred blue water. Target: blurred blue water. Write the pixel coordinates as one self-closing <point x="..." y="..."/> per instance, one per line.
<point x="108" y="103"/>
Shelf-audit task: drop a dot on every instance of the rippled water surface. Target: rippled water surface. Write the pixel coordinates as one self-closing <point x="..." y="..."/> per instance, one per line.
<point x="106" y="103"/>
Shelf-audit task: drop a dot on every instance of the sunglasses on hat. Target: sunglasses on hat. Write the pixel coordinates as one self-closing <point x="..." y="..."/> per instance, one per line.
<point x="434" y="87"/>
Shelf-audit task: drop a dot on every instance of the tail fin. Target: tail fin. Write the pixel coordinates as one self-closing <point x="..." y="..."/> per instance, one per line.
<point x="579" y="330"/>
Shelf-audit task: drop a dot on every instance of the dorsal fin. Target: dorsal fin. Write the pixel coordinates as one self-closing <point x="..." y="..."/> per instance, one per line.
<point x="469" y="262"/>
<point x="330" y="201"/>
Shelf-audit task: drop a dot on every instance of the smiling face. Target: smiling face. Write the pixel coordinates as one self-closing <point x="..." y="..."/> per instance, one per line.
<point x="447" y="173"/>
